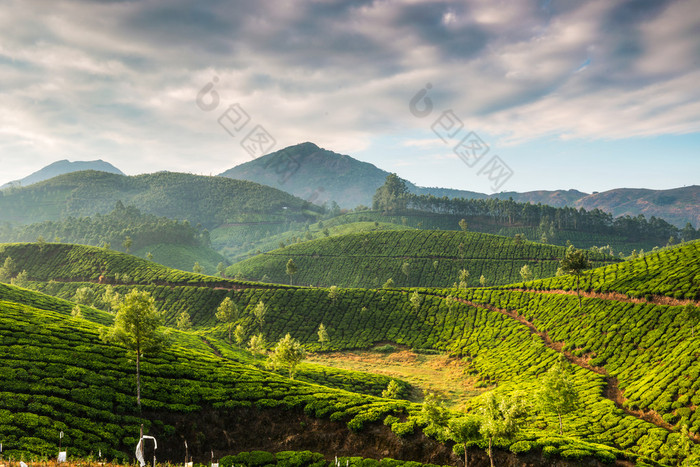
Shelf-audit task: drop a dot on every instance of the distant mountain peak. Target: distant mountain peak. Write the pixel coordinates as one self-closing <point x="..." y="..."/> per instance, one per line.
<point x="62" y="167"/>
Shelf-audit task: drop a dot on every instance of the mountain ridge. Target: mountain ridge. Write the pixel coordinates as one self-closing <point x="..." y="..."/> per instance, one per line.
<point x="60" y="168"/>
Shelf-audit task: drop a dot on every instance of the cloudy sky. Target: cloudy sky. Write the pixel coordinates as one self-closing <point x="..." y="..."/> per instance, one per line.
<point x="578" y="94"/>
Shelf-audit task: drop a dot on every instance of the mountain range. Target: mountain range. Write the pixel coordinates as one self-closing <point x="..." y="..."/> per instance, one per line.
<point x="320" y="176"/>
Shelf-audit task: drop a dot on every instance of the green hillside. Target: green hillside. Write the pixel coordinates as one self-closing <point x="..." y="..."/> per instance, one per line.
<point x="210" y="201"/>
<point x="258" y="238"/>
<point x="671" y="272"/>
<point x="507" y="339"/>
<point x="410" y="257"/>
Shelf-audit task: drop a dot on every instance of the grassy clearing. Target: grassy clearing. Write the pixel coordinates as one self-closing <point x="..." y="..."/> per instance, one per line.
<point x="433" y="373"/>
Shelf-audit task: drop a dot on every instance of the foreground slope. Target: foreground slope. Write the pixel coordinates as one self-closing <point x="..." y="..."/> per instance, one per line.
<point x="410" y="257"/>
<point x="503" y="350"/>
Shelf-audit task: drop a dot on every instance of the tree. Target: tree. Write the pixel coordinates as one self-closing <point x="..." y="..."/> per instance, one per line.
<point x="127" y="244"/>
<point x="518" y="239"/>
<point x="288" y="352"/>
<point x="137" y="327"/>
<point x="257" y="344"/>
<point x="557" y="392"/>
<point x="149" y="256"/>
<point x="259" y="314"/>
<point x="21" y="279"/>
<point x="392" y="195"/>
<point x="76" y="312"/>
<point x="463" y="225"/>
<point x="482" y="281"/>
<point x="464" y="430"/>
<point x="239" y="335"/>
<point x="197" y="268"/>
<point x="221" y="269"/>
<point x="227" y="312"/>
<point x="691" y="313"/>
<point x="501" y="418"/>
<point x="389" y="284"/>
<point x="406" y="270"/>
<point x="436" y="263"/>
<point x="451" y="302"/>
<point x="291" y="269"/>
<point x="333" y="292"/>
<point x="415" y="300"/>
<point x="463" y="279"/>
<point x="392" y="390"/>
<point x="84" y="296"/>
<point x="323" y="335"/>
<point x="575" y="262"/>
<point x="184" y="323"/>
<point x="526" y="273"/>
<point x="8" y="270"/>
<point x="434" y="412"/>
<point x="110" y="298"/>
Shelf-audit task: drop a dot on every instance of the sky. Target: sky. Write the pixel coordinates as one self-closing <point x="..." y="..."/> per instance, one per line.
<point x="481" y="95"/>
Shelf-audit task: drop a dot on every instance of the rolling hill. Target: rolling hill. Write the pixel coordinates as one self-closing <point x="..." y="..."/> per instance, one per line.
<point x="60" y="168"/>
<point x="412" y="258"/>
<point x="634" y="362"/>
<point x="210" y="201"/>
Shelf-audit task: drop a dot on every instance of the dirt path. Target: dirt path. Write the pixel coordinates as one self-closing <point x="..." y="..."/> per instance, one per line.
<point x="617" y="296"/>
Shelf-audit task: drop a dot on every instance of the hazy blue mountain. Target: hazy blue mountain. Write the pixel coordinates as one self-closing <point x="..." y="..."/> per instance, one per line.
<point x="63" y="167"/>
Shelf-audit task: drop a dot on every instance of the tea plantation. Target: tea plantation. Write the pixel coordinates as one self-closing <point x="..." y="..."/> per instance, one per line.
<point x="63" y="377"/>
<point x="409" y="257"/>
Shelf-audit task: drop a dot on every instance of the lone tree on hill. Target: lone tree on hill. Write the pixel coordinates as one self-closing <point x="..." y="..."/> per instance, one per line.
<point x="259" y="314"/>
<point x="291" y="269"/>
<point x="323" y="335"/>
<point x="391" y="196"/>
<point x="227" y="312"/>
<point x="501" y="418"/>
<point x="557" y="392"/>
<point x="184" y="322"/>
<point x="127" y="244"/>
<point x="197" y="268"/>
<point x="575" y="262"/>
<point x="137" y="327"/>
<point x="288" y="352"/>
<point x="463" y="225"/>
<point x="526" y="273"/>
<point x="464" y="430"/>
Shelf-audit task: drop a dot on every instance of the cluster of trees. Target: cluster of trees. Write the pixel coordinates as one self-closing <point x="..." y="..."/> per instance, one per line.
<point x="393" y="197"/>
<point x="125" y="227"/>
<point x="501" y="416"/>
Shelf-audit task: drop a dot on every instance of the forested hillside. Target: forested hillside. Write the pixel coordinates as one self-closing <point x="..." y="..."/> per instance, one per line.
<point x="209" y="201"/>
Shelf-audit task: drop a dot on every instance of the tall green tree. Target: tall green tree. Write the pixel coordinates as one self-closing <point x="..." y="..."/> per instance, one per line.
<point x="322" y="335"/>
<point x="239" y="335"/>
<point x="8" y="270"/>
<point x="501" y="418"/>
<point x="575" y="262"/>
<point x="406" y="270"/>
<point x="415" y="300"/>
<point x="392" y="196"/>
<point x="227" y="312"/>
<point x="526" y="273"/>
<point x="259" y="313"/>
<point x="288" y="352"/>
<point x="465" y="430"/>
<point x="221" y="269"/>
<point x="291" y="269"/>
<point x="183" y="322"/>
<point x="557" y="392"/>
<point x="127" y="243"/>
<point x="197" y="268"/>
<point x="463" y="279"/>
<point x="137" y="326"/>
